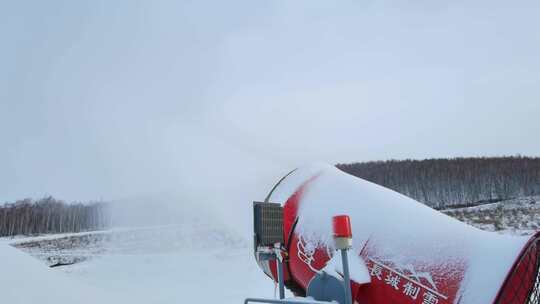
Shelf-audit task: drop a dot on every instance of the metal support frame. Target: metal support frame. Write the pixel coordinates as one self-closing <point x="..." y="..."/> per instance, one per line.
<point x="274" y="254"/>
<point x="346" y="276"/>
<point x="281" y="280"/>
<point x="283" y="301"/>
<point x="268" y="239"/>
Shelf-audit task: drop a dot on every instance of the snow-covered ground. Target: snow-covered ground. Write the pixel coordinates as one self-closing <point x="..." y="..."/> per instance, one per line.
<point x="167" y="264"/>
<point x="25" y="279"/>
<point x="520" y="216"/>
<point x="192" y="262"/>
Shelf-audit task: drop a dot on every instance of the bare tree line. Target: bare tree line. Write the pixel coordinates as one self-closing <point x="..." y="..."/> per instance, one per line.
<point x="458" y="181"/>
<point x="439" y="183"/>
<point x="48" y="215"/>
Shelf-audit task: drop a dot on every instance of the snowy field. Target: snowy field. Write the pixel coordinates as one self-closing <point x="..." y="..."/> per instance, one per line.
<point x="168" y="264"/>
<point x="518" y="216"/>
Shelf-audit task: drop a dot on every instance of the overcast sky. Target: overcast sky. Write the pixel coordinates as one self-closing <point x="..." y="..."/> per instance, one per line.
<point x="113" y="99"/>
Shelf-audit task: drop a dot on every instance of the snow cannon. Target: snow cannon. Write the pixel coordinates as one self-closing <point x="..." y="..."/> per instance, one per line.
<point x="401" y="251"/>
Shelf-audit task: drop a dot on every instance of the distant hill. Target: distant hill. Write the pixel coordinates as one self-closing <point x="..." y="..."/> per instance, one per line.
<point x="455" y="182"/>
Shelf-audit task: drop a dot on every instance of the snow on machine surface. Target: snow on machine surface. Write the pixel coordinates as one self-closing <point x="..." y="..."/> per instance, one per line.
<point x="409" y="252"/>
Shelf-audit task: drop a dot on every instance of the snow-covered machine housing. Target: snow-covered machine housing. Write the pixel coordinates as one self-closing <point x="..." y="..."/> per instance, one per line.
<point x="412" y="253"/>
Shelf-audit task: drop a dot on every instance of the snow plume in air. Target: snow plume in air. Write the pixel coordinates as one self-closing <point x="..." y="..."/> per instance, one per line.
<point x="210" y="102"/>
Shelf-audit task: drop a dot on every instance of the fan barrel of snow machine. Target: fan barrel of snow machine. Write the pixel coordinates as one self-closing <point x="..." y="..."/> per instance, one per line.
<point x="409" y="252"/>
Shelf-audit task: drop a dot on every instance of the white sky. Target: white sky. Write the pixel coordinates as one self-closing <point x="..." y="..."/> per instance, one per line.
<point x="113" y="99"/>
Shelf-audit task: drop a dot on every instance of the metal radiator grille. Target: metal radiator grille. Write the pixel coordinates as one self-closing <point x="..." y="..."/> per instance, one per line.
<point x="268" y="223"/>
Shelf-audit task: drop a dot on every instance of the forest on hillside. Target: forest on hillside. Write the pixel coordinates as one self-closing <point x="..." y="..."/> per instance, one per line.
<point x="439" y="183"/>
<point x="49" y="215"/>
<point x="442" y="183"/>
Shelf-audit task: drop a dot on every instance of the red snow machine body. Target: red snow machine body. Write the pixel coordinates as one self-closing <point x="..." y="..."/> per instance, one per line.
<point x="412" y="253"/>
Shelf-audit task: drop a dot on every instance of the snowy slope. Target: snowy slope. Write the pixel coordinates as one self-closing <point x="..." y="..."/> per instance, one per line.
<point x="211" y="276"/>
<point x="24" y="279"/>
<point x="165" y="264"/>
<point x="515" y="216"/>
